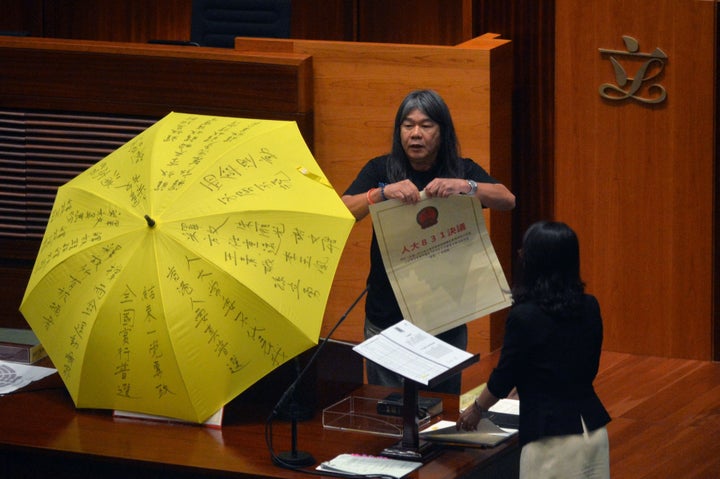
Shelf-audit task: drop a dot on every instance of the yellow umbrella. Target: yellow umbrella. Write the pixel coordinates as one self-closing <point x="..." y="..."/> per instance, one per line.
<point x="186" y="265"/>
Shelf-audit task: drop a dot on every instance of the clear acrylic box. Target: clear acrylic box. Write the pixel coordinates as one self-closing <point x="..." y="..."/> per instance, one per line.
<point x="359" y="414"/>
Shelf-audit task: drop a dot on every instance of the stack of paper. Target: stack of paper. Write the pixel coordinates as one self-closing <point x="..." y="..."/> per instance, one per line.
<point x="362" y="465"/>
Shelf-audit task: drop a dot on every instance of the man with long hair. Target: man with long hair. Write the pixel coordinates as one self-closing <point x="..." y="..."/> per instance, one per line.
<point x="425" y="156"/>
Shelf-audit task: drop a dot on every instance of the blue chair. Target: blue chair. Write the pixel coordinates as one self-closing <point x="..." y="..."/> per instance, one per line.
<point x="216" y="23"/>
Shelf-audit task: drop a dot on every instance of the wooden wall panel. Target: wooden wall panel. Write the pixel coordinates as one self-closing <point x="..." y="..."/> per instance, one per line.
<point x="21" y="16"/>
<point x="716" y="206"/>
<point x="636" y="180"/>
<point x="430" y="22"/>
<point x="324" y="19"/>
<point x="530" y="24"/>
<point x="357" y="89"/>
<point x="125" y="21"/>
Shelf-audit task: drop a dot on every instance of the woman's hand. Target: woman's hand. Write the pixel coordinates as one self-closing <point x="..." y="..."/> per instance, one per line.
<point x="469" y="418"/>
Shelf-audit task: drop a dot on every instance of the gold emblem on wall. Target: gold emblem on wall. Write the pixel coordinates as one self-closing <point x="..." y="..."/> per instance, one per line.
<point x="638" y="87"/>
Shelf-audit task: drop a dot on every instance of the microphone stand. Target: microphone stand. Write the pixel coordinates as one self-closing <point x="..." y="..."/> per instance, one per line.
<point x="295" y="459"/>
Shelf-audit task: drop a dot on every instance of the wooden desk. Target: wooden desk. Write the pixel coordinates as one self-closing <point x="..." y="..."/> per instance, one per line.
<point x="43" y="435"/>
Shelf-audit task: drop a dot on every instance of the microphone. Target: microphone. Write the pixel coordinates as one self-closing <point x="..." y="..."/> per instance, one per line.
<point x="295" y="459"/>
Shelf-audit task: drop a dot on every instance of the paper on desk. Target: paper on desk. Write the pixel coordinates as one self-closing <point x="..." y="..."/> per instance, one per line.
<point x="359" y="464"/>
<point x="14" y="376"/>
<point x="506" y="406"/>
<point x="487" y="434"/>
<point x="411" y="352"/>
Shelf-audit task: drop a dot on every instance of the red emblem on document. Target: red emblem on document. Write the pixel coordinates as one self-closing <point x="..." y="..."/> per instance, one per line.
<point x="427" y="217"/>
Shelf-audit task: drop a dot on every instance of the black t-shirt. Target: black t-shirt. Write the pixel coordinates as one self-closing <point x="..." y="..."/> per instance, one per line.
<point x="381" y="307"/>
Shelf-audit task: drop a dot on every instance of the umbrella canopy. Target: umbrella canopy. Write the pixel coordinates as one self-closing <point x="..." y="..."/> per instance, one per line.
<point x="186" y="265"/>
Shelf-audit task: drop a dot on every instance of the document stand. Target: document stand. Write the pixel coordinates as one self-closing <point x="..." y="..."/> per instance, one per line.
<point x="410" y="447"/>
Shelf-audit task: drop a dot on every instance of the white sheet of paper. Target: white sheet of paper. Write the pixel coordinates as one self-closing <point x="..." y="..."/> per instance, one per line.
<point x="411" y="352"/>
<point x="440" y="261"/>
<point x="14" y="376"/>
<point x="364" y="465"/>
<point x="506" y="406"/>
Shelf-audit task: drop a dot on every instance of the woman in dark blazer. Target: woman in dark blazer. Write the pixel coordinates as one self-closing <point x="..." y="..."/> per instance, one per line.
<point x="550" y="354"/>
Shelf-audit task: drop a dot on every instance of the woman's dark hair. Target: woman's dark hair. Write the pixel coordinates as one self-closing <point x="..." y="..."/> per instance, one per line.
<point x="549" y="269"/>
<point x="432" y="104"/>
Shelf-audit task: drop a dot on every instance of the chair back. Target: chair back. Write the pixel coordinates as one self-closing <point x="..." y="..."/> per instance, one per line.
<point x="216" y="23"/>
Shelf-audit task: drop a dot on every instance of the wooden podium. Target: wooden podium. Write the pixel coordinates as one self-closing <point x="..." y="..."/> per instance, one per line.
<point x="410" y="447"/>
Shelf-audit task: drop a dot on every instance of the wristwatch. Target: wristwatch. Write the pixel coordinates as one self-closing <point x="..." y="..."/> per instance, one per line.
<point x="473" y="188"/>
